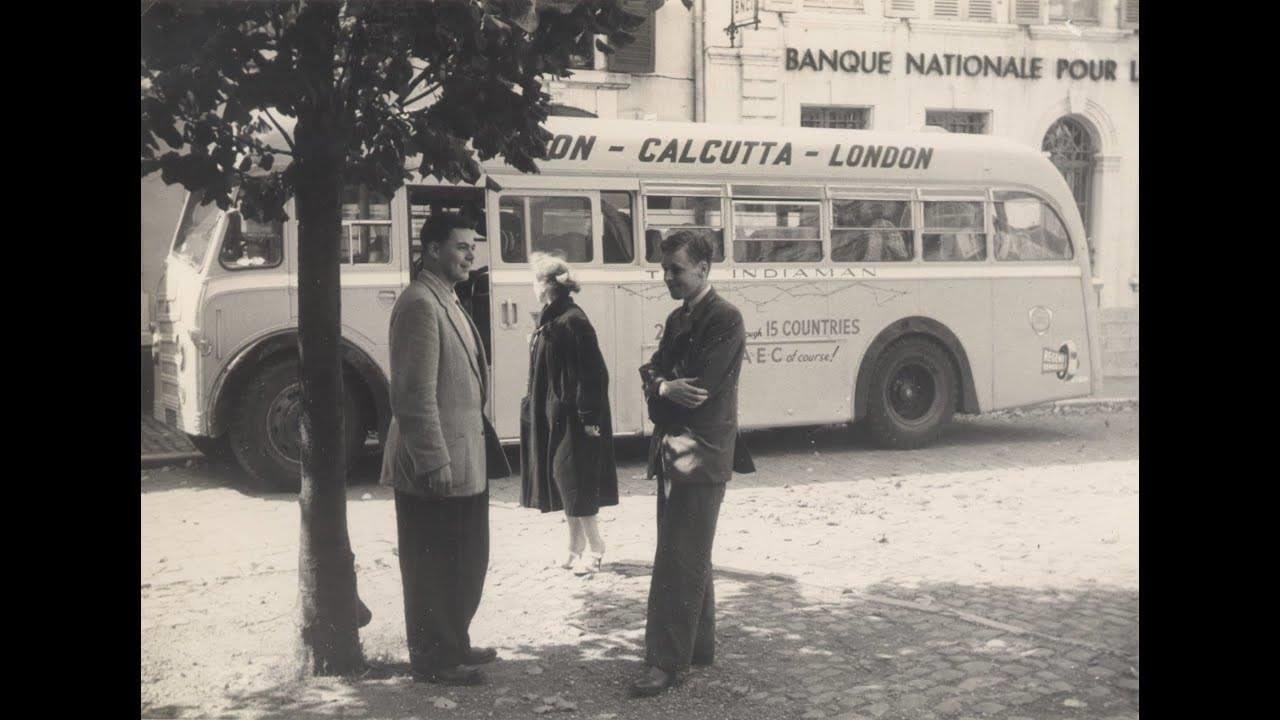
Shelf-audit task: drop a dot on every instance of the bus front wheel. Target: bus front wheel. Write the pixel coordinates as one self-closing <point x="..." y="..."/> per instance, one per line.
<point x="913" y="395"/>
<point x="266" y="434"/>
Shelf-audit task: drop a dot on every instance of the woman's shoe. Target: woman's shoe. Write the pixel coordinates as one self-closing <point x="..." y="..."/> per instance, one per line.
<point x="588" y="564"/>
<point x="572" y="561"/>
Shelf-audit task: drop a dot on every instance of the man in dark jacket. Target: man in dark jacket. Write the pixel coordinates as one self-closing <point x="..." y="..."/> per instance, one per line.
<point x="691" y="384"/>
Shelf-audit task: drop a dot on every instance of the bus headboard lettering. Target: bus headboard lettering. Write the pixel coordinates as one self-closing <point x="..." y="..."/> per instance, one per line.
<point x="658" y="150"/>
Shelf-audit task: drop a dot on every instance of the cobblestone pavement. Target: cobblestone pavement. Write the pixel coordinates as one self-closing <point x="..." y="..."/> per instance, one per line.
<point x="991" y="576"/>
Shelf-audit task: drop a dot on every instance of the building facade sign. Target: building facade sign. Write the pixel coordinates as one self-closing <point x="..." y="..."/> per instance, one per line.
<point x="957" y="65"/>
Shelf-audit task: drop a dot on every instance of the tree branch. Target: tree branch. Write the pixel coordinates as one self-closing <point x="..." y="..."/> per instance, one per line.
<point x="423" y="94"/>
<point x="288" y="140"/>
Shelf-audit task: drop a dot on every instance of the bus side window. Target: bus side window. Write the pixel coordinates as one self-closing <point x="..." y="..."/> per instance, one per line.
<point x="619" y="245"/>
<point x="250" y="244"/>
<point x="871" y="231"/>
<point x="1027" y="229"/>
<point x="954" y="231"/>
<point x="667" y="214"/>
<point x="562" y="225"/>
<point x="776" y="232"/>
<point x="511" y="213"/>
<point x="366" y="224"/>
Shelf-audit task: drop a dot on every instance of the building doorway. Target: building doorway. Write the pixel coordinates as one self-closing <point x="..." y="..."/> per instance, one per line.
<point x="1072" y="149"/>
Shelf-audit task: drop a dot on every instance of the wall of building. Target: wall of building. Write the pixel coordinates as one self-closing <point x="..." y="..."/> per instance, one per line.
<point x="750" y="82"/>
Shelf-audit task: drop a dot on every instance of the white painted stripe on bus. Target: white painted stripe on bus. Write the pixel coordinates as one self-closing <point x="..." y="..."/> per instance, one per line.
<point x="862" y="274"/>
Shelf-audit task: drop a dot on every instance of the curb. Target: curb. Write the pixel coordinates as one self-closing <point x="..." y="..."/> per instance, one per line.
<point x="162" y="459"/>
<point x="1093" y="402"/>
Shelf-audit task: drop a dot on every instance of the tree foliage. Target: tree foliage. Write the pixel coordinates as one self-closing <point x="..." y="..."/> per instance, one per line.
<point x="438" y="85"/>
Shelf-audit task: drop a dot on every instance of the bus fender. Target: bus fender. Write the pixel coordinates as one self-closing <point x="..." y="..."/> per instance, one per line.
<point x="899" y="329"/>
<point x="243" y="365"/>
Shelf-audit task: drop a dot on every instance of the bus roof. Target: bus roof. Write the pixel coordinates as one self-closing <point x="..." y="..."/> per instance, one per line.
<point x="762" y="154"/>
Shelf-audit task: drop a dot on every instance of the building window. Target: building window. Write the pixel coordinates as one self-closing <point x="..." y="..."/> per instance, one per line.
<point x="1076" y="11"/>
<point x="959" y="121"/>
<point x="846" y="118"/>
<point x="1071" y="148"/>
<point x="976" y="10"/>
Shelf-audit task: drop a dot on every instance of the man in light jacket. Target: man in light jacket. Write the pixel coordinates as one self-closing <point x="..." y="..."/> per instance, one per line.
<point x="440" y="452"/>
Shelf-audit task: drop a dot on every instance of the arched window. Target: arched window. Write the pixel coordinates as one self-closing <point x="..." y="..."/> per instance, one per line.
<point x="1071" y="148"/>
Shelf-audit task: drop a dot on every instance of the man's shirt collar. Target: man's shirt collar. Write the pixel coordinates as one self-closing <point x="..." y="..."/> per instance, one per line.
<point x="692" y="303"/>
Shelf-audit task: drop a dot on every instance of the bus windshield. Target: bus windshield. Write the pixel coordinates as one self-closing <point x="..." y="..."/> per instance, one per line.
<point x="195" y="234"/>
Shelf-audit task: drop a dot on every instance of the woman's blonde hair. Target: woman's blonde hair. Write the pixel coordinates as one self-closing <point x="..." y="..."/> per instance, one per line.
<point x="552" y="270"/>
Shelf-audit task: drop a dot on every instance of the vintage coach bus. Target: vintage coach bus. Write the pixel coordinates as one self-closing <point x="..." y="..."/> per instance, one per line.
<point x="886" y="278"/>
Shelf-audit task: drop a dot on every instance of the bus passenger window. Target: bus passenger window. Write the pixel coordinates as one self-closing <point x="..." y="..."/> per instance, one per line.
<point x="511" y="214"/>
<point x="562" y="225"/>
<point x="250" y="244"/>
<point x="619" y="246"/>
<point x="776" y="232"/>
<point x="1027" y="229"/>
<point x="871" y="231"/>
<point x="366" y="224"/>
<point x="666" y="214"/>
<point x="954" y="232"/>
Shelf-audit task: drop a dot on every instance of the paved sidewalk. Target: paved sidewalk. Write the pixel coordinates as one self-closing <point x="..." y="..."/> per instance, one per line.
<point x="992" y="576"/>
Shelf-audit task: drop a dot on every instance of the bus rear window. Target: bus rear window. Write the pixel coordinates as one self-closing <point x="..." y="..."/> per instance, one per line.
<point x="1027" y="229"/>
<point x="196" y="230"/>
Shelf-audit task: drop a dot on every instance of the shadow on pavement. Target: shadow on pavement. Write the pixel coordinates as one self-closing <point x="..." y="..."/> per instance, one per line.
<point x="785" y="651"/>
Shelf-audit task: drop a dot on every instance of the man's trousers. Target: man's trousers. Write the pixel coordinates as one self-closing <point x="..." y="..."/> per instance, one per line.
<point x="444" y="555"/>
<point x="681" y="623"/>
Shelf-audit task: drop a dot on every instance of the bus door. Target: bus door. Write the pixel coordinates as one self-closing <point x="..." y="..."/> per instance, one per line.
<point x="1041" y="337"/>
<point x="566" y="222"/>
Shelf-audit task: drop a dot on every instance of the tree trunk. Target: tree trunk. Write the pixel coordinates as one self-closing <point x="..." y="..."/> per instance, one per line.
<point x="329" y="642"/>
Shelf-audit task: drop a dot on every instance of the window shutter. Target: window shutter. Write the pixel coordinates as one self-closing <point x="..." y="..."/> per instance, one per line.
<point x="900" y="8"/>
<point x="638" y="56"/>
<point x="1029" y="12"/>
<point x="1129" y="14"/>
<point x="981" y="10"/>
<point x="946" y="9"/>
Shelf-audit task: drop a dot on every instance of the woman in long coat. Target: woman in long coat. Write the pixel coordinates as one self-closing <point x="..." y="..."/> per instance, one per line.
<point x="566" y="431"/>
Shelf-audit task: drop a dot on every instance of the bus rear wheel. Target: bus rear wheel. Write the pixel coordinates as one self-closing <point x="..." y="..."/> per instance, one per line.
<point x="266" y="434"/>
<point x="913" y="395"/>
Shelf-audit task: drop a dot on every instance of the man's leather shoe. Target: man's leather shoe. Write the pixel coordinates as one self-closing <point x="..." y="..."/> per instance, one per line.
<point x="480" y="656"/>
<point x="456" y="675"/>
<point x="655" y="682"/>
<point x="702" y="661"/>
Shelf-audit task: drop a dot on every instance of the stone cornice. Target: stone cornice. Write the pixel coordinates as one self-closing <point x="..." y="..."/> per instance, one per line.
<point x="594" y="80"/>
<point x="1087" y="34"/>
<point x="944" y="27"/>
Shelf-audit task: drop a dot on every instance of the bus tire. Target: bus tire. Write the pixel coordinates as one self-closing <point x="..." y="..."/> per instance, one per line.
<point x="265" y="431"/>
<point x="216" y="450"/>
<point x="913" y="394"/>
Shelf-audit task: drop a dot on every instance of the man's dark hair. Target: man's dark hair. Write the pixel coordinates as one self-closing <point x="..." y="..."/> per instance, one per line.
<point x="437" y="227"/>
<point x="695" y="246"/>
